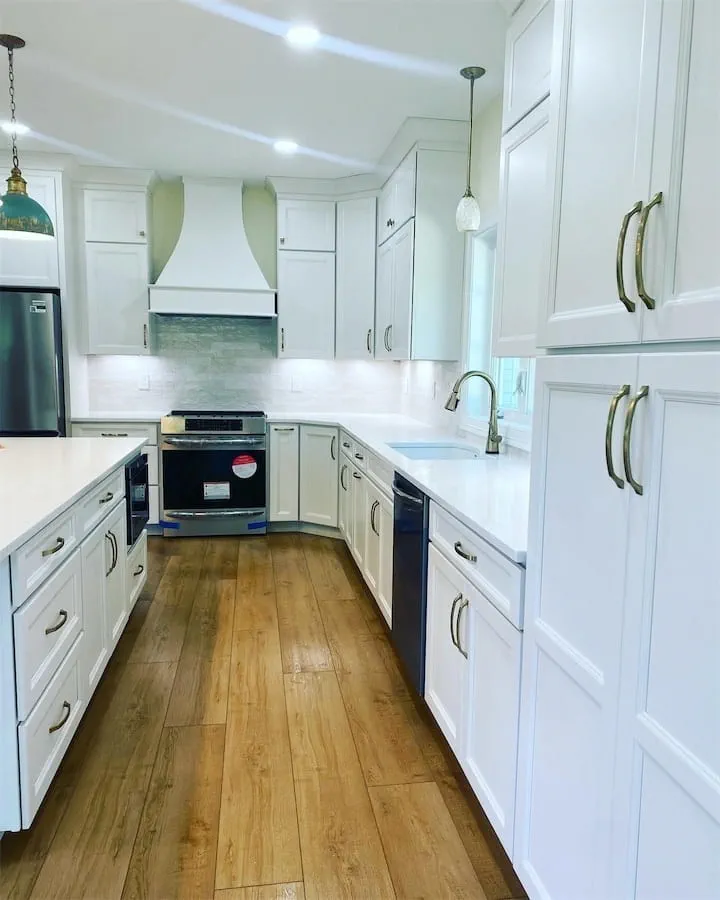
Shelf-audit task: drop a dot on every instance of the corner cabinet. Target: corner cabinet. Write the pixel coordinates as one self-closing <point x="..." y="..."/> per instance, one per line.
<point x="36" y="264"/>
<point x="355" y="270"/>
<point x="306" y="305"/>
<point x="319" y="452"/>
<point x="284" y="482"/>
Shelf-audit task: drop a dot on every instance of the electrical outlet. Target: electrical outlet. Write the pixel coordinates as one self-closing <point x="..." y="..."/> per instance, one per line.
<point x="144" y="383"/>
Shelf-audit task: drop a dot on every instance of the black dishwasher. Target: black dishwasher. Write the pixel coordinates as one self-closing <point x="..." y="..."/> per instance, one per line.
<point x="410" y="565"/>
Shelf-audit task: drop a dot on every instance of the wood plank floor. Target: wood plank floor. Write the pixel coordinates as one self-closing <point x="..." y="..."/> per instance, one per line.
<point x="253" y="738"/>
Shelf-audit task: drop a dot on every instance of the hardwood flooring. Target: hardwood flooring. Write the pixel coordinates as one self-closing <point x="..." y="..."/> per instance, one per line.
<point x="253" y="738"/>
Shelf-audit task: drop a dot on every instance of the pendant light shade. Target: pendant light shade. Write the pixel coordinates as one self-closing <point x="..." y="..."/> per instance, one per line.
<point x="21" y="217"/>
<point x="467" y="217"/>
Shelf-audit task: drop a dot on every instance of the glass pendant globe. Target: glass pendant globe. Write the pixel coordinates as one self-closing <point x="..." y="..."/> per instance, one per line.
<point x="467" y="217"/>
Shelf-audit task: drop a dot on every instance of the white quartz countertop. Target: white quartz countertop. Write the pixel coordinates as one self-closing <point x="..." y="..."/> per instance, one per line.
<point x="490" y="495"/>
<point x="42" y="477"/>
<point x="93" y="417"/>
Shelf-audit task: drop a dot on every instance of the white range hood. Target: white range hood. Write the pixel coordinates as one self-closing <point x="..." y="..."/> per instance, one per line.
<point x="212" y="271"/>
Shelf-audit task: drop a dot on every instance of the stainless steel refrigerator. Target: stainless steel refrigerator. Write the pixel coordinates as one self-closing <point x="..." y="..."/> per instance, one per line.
<point x="32" y="398"/>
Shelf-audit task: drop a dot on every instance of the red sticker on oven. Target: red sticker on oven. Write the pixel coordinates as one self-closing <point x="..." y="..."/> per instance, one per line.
<point x="244" y="466"/>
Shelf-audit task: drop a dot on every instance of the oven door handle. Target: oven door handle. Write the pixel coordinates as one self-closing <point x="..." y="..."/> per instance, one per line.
<point x="214" y="443"/>
<point x="213" y="513"/>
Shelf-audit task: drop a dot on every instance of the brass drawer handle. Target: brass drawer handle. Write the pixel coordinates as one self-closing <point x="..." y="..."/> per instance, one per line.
<point x="623" y="392"/>
<point x="369" y="336"/>
<point x="452" y="620"/>
<point x="63" y="619"/>
<point x="343" y="485"/>
<point x="282" y="336"/>
<point x="346" y="444"/>
<point x="470" y="557"/>
<point x="357" y="475"/>
<point x="640" y="251"/>
<point x="627" y="437"/>
<point x="114" y="434"/>
<point x="385" y="338"/>
<point x="66" y="715"/>
<point x="107" y="498"/>
<point x="140" y="569"/>
<point x="359" y="456"/>
<point x="333" y="444"/>
<point x="463" y="606"/>
<point x="373" y="510"/>
<point x="51" y="551"/>
<point x="619" y="275"/>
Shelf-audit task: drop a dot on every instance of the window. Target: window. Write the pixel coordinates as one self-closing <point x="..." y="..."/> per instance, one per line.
<point x="514" y="377"/>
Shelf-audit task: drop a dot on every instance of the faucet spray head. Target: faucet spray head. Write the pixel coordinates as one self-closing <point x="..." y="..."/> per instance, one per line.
<point x="452" y="401"/>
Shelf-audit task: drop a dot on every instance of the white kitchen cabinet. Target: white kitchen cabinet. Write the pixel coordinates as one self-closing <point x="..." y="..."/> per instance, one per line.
<point x="355" y="272"/>
<point x="136" y="570"/>
<point x="117" y="298"/>
<point x="306" y="224"/>
<point x="306" y="305"/>
<point x="35" y="263"/>
<point x="395" y="295"/>
<point x="345" y="500"/>
<point x="118" y="217"/>
<point x="284" y="484"/>
<point x="359" y="503"/>
<point x="681" y="263"/>
<point x="371" y="561"/>
<point x="600" y="156"/>
<point x="319" y="451"/>
<point x="384" y="520"/>
<point x="397" y="198"/>
<point x="96" y="558"/>
<point x="446" y="661"/>
<point x="384" y="299"/>
<point x="490" y="754"/>
<point x="117" y="604"/>
<point x="528" y="60"/>
<point x="521" y="260"/>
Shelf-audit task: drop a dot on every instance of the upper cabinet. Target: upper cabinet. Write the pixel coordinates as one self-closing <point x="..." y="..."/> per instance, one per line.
<point x="306" y="305"/>
<point x="35" y="264"/>
<point x="306" y="224"/>
<point x="397" y="198"/>
<point x="355" y="273"/>
<point x="118" y="217"/>
<point x="528" y="60"/>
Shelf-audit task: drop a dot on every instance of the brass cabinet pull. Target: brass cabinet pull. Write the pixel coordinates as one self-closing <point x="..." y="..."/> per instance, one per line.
<point x="385" y="338"/>
<point x="390" y="331"/>
<point x="464" y="605"/>
<point x="623" y="392"/>
<point x="357" y="475"/>
<point x="359" y="456"/>
<point x="63" y="619"/>
<point x="107" y="498"/>
<point x="141" y="234"/>
<point x="640" y="250"/>
<point x="369" y="336"/>
<point x="284" y="428"/>
<point x="282" y="240"/>
<point x="109" y="536"/>
<point x="51" y="551"/>
<point x="470" y="557"/>
<point x="333" y="444"/>
<point x="452" y="619"/>
<point x="114" y="434"/>
<point x="145" y="336"/>
<point x="282" y="336"/>
<point x="627" y="437"/>
<point x="619" y="274"/>
<point x="65" y="716"/>
<point x="346" y="444"/>
<point x="343" y="485"/>
<point x="373" y="510"/>
<point x="140" y="569"/>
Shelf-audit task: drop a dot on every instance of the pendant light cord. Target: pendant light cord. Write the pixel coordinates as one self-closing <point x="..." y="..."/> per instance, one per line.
<point x="468" y="192"/>
<point x="13" y="120"/>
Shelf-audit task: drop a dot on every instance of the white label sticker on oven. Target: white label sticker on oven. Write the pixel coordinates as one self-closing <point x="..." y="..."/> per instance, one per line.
<point x="216" y="490"/>
<point x="244" y="466"/>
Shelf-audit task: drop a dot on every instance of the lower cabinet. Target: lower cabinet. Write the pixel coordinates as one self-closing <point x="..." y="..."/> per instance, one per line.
<point x="319" y="453"/>
<point x="378" y="555"/>
<point x="359" y="500"/>
<point x="96" y="559"/>
<point x="345" y="500"/>
<point x="117" y="604"/>
<point x="136" y="570"/>
<point x="371" y="562"/>
<point x="284" y="485"/>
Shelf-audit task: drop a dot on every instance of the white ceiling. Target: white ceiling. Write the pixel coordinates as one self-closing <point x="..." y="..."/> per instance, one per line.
<point x="189" y="87"/>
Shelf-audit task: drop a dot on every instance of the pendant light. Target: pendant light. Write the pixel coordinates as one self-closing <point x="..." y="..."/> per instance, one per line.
<point x="20" y="215"/>
<point x="467" y="216"/>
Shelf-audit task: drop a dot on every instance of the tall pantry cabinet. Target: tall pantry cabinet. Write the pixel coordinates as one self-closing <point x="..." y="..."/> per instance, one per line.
<point x="618" y="792"/>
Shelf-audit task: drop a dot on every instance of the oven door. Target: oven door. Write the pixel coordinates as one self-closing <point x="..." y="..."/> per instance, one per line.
<point x="213" y="485"/>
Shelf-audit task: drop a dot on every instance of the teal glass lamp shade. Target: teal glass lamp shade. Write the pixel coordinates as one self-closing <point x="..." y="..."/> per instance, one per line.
<point x="20" y="215"/>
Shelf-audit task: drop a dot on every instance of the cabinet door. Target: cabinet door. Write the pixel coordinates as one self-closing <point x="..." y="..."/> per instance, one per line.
<point x="405" y="187"/>
<point x="306" y="225"/>
<point x="118" y="217"/>
<point x="96" y="559"/>
<point x="34" y="263"/>
<point x="117" y="606"/>
<point x="117" y="298"/>
<point x="359" y="504"/>
<point x="574" y="603"/>
<point x="345" y="500"/>
<point x="306" y="305"/>
<point x="355" y="270"/>
<point x="528" y="60"/>
<point x="319" y="475"/>
<point x="682" y="265"/>
<point x="668" y="785"/>
<point x="600" y="154"/>
<point x="371" y="562"/>
<point x="384" y="301"/>
<point x="521" y="262"/>
<point x="490" y="760"/>
<point x="284" y="472"/>
<point x="403" y="262"/>
<point x="385" y="211"/>
<point x="446" y="666"/>
<point x="384" y="518"/>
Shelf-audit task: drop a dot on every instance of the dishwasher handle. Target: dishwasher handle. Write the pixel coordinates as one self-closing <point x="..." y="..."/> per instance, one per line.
<point x="407" y="498"/>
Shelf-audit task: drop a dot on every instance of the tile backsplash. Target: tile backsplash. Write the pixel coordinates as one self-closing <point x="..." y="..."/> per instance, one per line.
<point x="228" y="362"/>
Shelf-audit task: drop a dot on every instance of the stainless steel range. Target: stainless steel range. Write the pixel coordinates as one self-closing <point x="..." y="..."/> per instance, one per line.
<point x="213" y="472"/>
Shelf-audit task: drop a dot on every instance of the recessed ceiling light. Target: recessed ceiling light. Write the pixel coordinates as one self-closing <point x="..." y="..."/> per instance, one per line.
<point x="302" y="36"/>
<point x="14" y="128"/>
<point x="287" y="148"/>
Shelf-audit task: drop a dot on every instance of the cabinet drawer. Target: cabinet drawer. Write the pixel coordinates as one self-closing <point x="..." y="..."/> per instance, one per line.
<point x="146" y="430"/>
<point x="347" y="444"/>
<point x="502" y="582"/>
<point x="45" y="628"/>
<point x="137" y="569"/>
<point x="44" y="737"/>
<point x="359" y="456"/>
<point x="92" y="509"/>
<point x="42" y="554"/>
<point x="381" y="472"/>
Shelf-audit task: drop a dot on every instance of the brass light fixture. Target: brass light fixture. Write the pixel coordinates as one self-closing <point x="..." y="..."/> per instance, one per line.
<point x="20" y="215"/>
<point x="467" y="216"/>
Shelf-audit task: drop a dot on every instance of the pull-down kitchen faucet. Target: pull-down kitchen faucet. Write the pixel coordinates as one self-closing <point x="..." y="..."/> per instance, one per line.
<point x="493" y="439"/>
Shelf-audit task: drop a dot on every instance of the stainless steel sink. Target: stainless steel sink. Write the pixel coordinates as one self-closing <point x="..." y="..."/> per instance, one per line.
<point x="436" y="450"/>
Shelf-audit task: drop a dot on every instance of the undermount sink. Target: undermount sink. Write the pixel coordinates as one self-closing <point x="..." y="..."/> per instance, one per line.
<point x="436" y="450"/>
